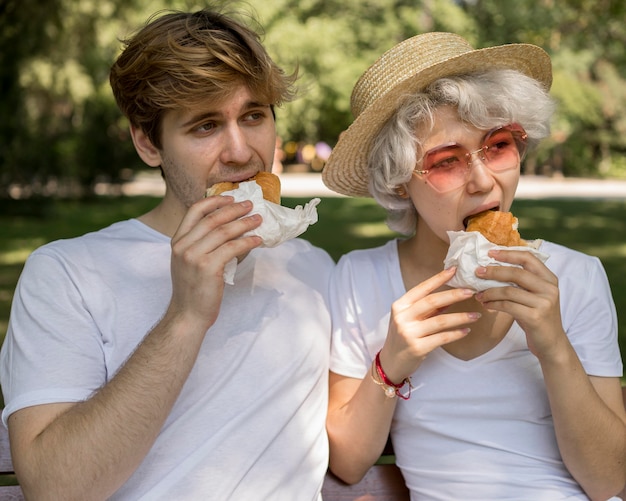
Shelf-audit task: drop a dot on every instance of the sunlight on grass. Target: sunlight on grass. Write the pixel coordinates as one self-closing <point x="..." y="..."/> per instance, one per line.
<point x="16" y="256"/>
<point x="371" y="230"/>
<point x="590" y="221"/>
<point x="617" y="250"/>
<point x="16" y="250"/>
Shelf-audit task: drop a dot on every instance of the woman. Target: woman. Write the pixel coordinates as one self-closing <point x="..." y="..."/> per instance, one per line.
<point x="508" y="393"/>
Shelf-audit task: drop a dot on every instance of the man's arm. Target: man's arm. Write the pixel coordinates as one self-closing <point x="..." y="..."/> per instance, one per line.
<point x="88" y="450"/>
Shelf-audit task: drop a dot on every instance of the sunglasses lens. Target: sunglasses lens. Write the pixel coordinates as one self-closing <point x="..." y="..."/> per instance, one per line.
<point x="501" y="149"/>
<point x="447" y="167"/>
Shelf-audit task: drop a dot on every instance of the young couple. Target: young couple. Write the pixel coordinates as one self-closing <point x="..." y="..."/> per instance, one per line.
<point x="131" y="371"/>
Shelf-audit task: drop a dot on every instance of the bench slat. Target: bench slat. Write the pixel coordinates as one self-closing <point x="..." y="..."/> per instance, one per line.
<point x="382" y="482"/>
<point x="6" y="465"/>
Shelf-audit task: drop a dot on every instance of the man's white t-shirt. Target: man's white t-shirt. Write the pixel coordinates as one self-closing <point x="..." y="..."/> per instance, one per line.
<point x="479" y="429"/>
<point x="250" y="420"/>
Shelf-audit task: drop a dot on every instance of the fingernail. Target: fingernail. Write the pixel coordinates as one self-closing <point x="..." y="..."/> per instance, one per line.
<point x="474" y="315"/>
<point x="468" y="292"/>
<point x="481" y="270"/>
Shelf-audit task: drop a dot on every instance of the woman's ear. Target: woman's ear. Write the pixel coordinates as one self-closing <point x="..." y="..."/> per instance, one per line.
<point x="401" y="191"/>
<point x="149" y="153"/>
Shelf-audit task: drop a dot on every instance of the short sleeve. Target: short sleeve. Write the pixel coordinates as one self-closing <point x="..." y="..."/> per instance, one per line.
<point x="53" y="351"/>
<point x="590" y="318"/>
<point x="363" y="287"/>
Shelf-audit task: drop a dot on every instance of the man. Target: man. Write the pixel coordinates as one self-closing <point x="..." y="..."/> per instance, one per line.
<point x="130" y="370"/>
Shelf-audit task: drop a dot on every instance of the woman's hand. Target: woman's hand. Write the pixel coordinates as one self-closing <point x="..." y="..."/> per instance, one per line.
<point x="419" y="324"/>
<point x="534" y="303"/>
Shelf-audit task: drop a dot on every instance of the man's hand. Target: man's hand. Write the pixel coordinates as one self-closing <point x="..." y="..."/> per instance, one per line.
<point x="209" y="236"/>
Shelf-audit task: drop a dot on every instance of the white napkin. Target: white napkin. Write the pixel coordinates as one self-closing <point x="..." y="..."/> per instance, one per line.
<point x="469" y="250"/>
<point x="279" y="223"/>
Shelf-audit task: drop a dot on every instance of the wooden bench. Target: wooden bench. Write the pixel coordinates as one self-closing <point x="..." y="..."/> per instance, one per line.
<point x="383" y="481"/>
<point x="7" y="476"/>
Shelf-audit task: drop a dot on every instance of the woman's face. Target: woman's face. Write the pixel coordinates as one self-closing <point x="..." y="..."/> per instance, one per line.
<point x="482" y="189"/>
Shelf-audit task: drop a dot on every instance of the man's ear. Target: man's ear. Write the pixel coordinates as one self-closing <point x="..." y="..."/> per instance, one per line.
<point x="149" y="153"/>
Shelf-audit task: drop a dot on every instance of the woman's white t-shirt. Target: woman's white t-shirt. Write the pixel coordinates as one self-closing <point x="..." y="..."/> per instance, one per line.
<point x="479" y="429"/>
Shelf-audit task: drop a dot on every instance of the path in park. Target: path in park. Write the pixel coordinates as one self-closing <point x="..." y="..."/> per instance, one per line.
<point x="311" y="185"/>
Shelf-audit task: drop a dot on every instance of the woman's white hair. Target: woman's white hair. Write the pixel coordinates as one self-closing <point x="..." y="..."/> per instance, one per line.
<point x="484" y="100"/>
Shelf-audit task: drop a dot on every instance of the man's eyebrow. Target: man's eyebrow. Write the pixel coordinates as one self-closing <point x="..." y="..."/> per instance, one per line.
<point x="200" y="117"/>
<point x="209" y="115"/>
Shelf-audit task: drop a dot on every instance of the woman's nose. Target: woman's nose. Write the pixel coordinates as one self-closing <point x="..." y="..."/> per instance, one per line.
<point x="480" y="177"/>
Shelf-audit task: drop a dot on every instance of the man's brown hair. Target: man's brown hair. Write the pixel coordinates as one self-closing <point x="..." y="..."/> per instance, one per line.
<point x="179" y="60"/>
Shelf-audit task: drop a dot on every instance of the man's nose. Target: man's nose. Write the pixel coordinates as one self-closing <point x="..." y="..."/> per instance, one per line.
<point x="235" y="148"/>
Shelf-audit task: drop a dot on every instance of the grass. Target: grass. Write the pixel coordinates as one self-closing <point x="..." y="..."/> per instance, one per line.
<point x="595" y="227"/>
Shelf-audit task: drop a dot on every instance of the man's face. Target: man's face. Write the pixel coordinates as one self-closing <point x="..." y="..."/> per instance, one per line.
<point x="227" y="141"/>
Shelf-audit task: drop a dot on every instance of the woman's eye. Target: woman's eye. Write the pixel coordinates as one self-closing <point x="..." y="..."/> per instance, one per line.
<point x="501" y="141"/>
<point x="445" y="163"/>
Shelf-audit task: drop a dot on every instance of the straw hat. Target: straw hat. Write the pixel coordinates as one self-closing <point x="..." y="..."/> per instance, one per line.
<point x="410" y="67"/>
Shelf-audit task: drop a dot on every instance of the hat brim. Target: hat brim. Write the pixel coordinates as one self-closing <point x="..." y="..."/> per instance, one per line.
<point x="345" y="171"/>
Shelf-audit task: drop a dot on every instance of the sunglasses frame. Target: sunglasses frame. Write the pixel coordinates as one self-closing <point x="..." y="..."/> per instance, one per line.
<point x="519" y="136"/>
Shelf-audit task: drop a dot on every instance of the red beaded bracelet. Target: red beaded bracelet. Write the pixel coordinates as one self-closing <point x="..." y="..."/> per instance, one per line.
<point x="391" y="388"/>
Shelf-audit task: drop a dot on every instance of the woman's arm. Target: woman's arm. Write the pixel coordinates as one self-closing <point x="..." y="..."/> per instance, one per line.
<point x="359" y="418"/>
<point x="588" y="413"/>
<point x="590" y="425"/>
<point x="360" y="412"/>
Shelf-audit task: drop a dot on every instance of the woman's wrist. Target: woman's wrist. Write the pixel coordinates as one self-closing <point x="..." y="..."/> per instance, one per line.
<point x="391" y="389"/>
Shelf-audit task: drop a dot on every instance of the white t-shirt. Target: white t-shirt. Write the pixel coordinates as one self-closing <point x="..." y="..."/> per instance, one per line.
<point x="250" y="420"/>
<point x="479" y="429"/>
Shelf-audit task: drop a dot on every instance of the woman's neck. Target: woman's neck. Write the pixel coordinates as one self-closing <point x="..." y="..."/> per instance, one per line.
<point x="421" y="256"/>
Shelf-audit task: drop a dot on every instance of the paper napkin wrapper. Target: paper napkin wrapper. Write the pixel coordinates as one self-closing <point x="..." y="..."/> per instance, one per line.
<point x="279" y="223"/>
<point x="469" y="250"/>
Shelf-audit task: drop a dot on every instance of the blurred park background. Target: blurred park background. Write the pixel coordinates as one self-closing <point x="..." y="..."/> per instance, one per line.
<point x="60" y="131"/>
<point x="62" y="137"/>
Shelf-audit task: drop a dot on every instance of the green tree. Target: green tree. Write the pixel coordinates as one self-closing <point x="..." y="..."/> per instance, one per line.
<point x="59" y="124"/>
<point x="20" y="37"/>
<point x="333" y="42"/>
<point x="586" y="40"/>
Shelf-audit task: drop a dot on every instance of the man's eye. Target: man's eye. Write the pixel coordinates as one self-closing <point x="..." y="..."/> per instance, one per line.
<point x="255" y="115"/>
<point x="207" y="127"/>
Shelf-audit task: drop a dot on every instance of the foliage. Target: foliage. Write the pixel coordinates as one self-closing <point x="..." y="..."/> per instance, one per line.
<point x="59" y="125"/>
